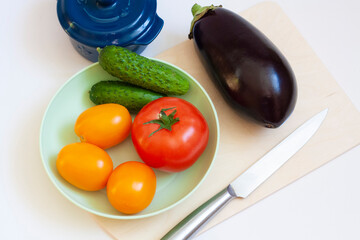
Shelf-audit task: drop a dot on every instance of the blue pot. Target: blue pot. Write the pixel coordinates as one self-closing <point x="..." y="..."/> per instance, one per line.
<point x="90" y="24"/>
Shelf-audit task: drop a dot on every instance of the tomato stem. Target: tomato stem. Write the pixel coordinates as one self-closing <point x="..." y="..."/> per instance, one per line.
<point x="165" y="121"/>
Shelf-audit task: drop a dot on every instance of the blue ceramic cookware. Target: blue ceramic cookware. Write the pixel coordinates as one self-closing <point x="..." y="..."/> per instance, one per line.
<point x="96" y="23"/>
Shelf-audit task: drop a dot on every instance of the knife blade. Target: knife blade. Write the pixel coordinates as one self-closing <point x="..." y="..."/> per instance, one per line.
<point x="248" y="181"/>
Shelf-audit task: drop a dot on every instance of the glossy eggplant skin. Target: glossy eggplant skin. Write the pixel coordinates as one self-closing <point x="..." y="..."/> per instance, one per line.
<point x="252" y="74"/>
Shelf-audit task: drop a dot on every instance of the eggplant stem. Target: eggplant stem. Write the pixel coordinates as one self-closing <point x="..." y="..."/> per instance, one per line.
<point x="195" y="9"/>
<point x="198" y="12"/>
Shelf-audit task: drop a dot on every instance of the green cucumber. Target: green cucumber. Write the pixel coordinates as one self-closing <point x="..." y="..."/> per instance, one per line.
<point x="130" y="96"/>
<point x="141" y="71"/>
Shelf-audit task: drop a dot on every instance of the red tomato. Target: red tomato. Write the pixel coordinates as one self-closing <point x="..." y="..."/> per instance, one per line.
<point x="131" y="187"/>
<point x="170" y="134"/>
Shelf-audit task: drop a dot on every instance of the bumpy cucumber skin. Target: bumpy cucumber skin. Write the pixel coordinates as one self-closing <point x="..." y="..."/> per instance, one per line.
<point x="130" y="96"/>
<point x="141" y="71"/>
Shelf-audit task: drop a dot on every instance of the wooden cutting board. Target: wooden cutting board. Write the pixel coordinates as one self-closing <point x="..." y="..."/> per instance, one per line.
<point x="243" y="142"/>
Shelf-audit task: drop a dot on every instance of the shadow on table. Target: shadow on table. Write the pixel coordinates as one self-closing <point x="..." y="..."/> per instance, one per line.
<point x="46" y="42"/>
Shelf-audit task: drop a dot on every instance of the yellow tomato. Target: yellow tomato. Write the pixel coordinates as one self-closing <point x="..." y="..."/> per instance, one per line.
<point x="84" y="165"/>
<point x="104" y="125"/>
<point x="131" y="187"/>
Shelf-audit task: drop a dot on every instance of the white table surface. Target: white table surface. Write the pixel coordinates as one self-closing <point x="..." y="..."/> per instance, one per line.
<point x="37" y="58"/>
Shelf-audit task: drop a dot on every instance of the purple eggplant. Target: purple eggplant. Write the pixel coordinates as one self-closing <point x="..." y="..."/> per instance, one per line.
<point x="249" y="70"/>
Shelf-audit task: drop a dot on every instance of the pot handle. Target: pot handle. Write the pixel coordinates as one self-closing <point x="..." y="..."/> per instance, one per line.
<point x="151" y="33"/>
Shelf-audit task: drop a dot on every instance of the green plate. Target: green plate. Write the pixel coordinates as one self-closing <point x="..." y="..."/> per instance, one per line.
<point x="57" y="130"/>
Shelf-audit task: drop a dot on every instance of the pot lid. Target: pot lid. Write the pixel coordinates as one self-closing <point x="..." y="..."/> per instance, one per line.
<point x="109" y="22"/>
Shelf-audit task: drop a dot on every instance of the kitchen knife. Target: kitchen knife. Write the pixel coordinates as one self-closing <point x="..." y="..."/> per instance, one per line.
<point x="248" y="181"/>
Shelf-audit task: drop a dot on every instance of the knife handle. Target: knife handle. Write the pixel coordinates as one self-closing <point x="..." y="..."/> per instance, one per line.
<point x="190" y="225"/>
